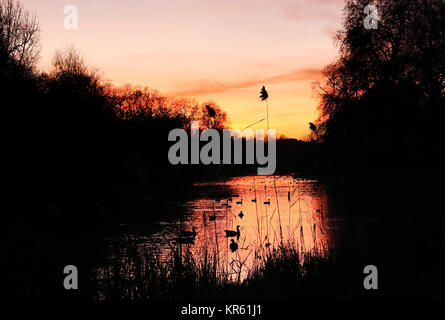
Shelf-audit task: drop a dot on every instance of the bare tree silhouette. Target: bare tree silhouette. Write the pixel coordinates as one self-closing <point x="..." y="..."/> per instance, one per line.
<point x="19" y="38"/>
<point x="385" y="94"/>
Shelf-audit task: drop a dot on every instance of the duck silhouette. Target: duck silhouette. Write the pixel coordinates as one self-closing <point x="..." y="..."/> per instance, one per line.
<point x="241" y="214"/>
<point x="231" y="233"/>
<point x="233" y="245"/>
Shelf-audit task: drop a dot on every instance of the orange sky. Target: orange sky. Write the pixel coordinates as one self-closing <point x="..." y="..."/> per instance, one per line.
<point x="206" y="49"/>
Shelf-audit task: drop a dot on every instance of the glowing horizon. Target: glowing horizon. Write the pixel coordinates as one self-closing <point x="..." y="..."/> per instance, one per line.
<point x="207" y="50"/>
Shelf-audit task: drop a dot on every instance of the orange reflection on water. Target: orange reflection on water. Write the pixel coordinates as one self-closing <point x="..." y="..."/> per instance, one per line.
<point x="286" y="210"/>
<point x="289" y="211"/>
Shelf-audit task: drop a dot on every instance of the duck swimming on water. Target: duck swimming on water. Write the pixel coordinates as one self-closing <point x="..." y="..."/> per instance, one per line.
<point x="233" y="245"/>
<point x="231" y="233"/>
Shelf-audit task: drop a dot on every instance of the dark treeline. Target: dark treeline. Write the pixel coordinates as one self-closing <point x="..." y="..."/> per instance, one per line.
<point x="72" y="109"/>
<point x="81" y="156"/>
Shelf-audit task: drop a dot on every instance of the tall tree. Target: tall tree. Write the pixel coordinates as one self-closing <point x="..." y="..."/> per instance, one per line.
<point x="386" y="90"/>
<point x="19" y="38"/>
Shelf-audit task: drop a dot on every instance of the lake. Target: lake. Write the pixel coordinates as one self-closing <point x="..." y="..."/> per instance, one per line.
<point x="259" y="214"/>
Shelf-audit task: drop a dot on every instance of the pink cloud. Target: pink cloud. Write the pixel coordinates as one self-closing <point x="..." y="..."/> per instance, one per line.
<point x="218" y="87"/>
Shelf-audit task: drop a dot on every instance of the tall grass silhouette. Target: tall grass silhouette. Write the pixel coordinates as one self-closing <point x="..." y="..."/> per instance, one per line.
<point x="206" y="269"/>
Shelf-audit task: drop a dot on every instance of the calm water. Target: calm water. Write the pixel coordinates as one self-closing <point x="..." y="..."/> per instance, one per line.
<point x="286" y="209"/>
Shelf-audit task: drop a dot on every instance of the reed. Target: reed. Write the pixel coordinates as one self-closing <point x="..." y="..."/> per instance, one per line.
<point x="141" y="273"/>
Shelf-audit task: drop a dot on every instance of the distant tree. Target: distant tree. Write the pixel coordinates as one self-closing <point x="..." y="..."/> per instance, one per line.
<point x="139" y="104"/>
<point x="77" y="91"/>
<point x="69" y="62"/>
<point x="187" y="109"/>
<point x="142" y="105"/>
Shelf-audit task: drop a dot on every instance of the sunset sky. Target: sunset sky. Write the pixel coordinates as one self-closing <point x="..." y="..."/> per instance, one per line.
<point x="223" y="50"/>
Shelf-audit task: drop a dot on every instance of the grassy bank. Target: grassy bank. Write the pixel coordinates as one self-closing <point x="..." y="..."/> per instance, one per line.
<point x="277" y="273"/>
